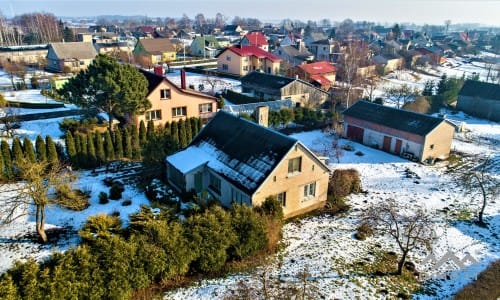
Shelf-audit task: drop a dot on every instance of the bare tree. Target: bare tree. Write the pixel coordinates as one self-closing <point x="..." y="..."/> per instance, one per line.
<point x="213" y="82"/>
<point x="402" y="93"/>
<point x="370" y="85"/>
<point x="409" y="228"/>
<point x="354" y="54"/>
<point x="39" y="186"/>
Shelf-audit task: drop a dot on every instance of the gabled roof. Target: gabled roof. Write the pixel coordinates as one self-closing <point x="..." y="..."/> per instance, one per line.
<point x="293" y="51"/>
<point x="256" y="39"/>
<point x="252" y="51"/>
<point x="321" y="67"/>
<point x="73" y="50"/>
<point x="485" y="90"/>
<point x="241" y="151"/>
<point x="155" y="80"/>
<point x="266" y="80"/>
<point x="157" y="46"/>
<point x="404" y="120"/>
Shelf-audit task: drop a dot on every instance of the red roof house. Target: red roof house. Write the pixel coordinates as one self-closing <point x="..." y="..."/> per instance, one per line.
<point x="255" y="38"/>
<point x="241" y="60"/>
<point x="320" y="73"/>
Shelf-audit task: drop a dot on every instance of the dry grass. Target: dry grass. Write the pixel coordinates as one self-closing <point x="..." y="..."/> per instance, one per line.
<point x="485" y="287"/>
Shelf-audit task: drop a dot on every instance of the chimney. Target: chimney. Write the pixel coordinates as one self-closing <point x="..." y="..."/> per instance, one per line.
<point x="262" y="115"/>
<point x="183" y="79"/>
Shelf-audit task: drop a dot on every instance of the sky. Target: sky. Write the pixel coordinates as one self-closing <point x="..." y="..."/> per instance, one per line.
<point x="421" y="12"/>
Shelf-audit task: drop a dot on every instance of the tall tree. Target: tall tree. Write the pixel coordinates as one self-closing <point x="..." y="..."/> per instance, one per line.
<point x="108" y="146"/>
<point x="174" y="132"/>
<point x="17" y="149"/>
<point x="142" y="133"/>
<point x="99" y="145"/>
<point x="41" y="150"/>
<point x="52" y="156"/>
<point x="91" y="154"/>
<point x="182" y="134"/>
<point x="118" y="143"/>
<point x="7" y="158"/>
<point x="117" y="89"/>
<point x="70" y="148"/>
<point x="29" y="150"/>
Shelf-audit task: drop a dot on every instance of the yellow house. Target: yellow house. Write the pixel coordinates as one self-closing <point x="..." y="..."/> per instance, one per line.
<point x="155" y="51"/>
<point x="238" y="161"/>
<point x="172" y="103"/>
<point x="241" y="60"/>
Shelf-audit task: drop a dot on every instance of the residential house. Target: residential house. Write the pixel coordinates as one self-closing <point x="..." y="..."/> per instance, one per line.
<point x="70" y="57"/>
<point x="170" y="102"/>
<point x="155" y="51"/>
<point x="313" y="36"/>
<point x="390" y="63"/>
<point x="433" y="55"/>
<point x="255" y="38"/>
<point x="239" y="161"/>
<point x="321" y="74"/>
<point x="233" y="30"/>
<point x="324" y="49"/>
<point x="241" y="60"/>
<point x="416" y="136"/>
<point x="206" y="46"/>
<point x="27" y="54"/>
<point x="292" y="39"/>
<point x="273" y="87"/>
<point x="292" y="56"/>
<point x="480" y="99"/>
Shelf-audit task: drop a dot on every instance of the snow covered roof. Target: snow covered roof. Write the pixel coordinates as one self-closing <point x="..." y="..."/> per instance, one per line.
<point x="241" y="151"/>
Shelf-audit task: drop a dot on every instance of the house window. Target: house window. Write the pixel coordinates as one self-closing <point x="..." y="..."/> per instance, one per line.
<point x="205" y="107"/>
<point x="309" y="190"/>
<point x="294" y="165"/>
<point x="236" y="196"/>
<point x="153" y="115"/>
<point x="245" y="68"/>
<point x="165" y="94"/>
<point x="281" y="197"/>
<point x="228" y="58"/>
<point x="224" y="67"/>
<point x="179" y="111"/>
<point x="432" y="146"/>
<point x="215" y="183"/>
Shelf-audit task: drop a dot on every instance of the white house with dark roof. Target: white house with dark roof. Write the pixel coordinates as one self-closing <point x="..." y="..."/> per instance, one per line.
<point x="238" y="161"/>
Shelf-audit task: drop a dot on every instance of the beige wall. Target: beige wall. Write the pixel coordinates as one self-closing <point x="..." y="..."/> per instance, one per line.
<point x="25" y="56"/>
<point x="293" y="184"/>
<point x="177" y="99"/>
<point x="438" y="142"/>
<point x="75" y="66"/>
<point x="243" y="65"/>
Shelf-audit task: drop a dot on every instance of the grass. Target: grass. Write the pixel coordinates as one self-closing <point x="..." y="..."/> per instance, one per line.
<point x="485" y="286"/>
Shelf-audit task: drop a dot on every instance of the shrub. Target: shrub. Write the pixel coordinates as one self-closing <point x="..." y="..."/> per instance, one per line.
<point x="100" y="226"/>
<point x="116" y="190"/>
<point x="364" y="231"/>
<point x="103" y="198"/>
<point x="343" y="183"/>
<point x="272" y="208"/>
<point x="73" y="199"/>
<point x="250" y="229"/>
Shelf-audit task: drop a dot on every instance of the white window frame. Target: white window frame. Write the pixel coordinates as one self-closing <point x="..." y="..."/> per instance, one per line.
<point x="205" y="108"/>
<point x="153" y="115"/>
<point x="309" y="191"/>
<point x="180" y="111"/>
<point x="165" y="94"/>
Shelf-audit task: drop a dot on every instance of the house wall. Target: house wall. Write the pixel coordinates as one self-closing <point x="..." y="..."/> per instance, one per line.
<point x="393" y="64"/>
<point x="234" y="63"/>
<point x="304" y="94"/>
<point x="479" y="107"/>
<point x="438" y="142"/>
<point x="293" y="184"/>
<point x="177" y="99"/>
<point x="24" y="56"/>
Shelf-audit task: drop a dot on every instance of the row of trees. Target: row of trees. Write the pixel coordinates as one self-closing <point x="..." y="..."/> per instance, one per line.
<point x="112" y="262"/>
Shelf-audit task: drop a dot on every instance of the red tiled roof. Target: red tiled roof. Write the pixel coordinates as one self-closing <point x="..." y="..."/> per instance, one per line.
<point x="320" y="67"/>
<point x="321" y="79"/>
<point x="256" y="39"/>
<point x="253" y="51"/>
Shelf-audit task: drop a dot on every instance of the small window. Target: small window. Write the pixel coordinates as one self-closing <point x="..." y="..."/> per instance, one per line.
<point x="432" y="146"/>
<point x="205" y="107"/>
<point x="224" y="67"/>
<point x="165" y="94"/>
<point x="228" y="58"/>
<point x="153" y="115"/>
<point x="179" y="111"/>
<point x="274" y="178"/>
<point x="215" y="183"/>
<point x="294" y="165"/>
<point x="245" y="68"/>
<point x="281" y="197"/>
<point x="309" y="191"/>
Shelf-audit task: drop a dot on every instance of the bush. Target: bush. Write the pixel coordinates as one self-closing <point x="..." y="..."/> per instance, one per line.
<point x="250" y="229"/>
<point x="343" y="183"/>
<point x="116" y="190"/>
<point x="73" y="199"/>
<point x="364" y="231"/>
<point x="272" y="208"/>
<point x="103" y="198"/>
<point x="100" y="226"/>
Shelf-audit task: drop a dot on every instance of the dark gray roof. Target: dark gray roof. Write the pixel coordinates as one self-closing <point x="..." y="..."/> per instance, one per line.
<point x="244" y="145"/>
<point x="480" y="89"/>
<point x="408" y="121"/>
<point x="266" y="80"/>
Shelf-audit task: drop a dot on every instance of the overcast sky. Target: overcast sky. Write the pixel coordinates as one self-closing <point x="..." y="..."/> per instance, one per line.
<point x="382" y="11"/>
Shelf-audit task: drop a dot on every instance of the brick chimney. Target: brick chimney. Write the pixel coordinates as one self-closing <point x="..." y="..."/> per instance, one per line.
<point x="183" y="79"/>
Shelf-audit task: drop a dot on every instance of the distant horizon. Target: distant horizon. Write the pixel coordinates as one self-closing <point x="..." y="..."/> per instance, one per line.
<point x="418" y="12"/>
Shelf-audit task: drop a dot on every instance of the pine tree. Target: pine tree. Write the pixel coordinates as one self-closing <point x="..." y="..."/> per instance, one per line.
<point x="142" y="133"/>
<point x="79" y="160"/>
<point x="118" y="143"/>
<point x="182" y="134"/>
<point x="189" y="131"/>
<point x="150" y="130"/>
<point x="84" y="154"/>
<point x="52" y="156"/>
<point x="29" y="150"/>
<point x="71" y="149"/>
<point x="200" y="124"/>
<point x="175" y="132"/>
<point x="91" y="155"/>
<point x="41" y="150"/>
<point x="8" y="290"/>
<point x="127" y="144"/>
<point x="99" y="145"/>
<point x="3" y="176"/>
<point x="17" y="149"/>
<point x="7" y="158"/>
<point x="136" y="147"/>
<point x="194" y="126"/>
<point x="167" y="128"/>
<point x="108" y="147"/>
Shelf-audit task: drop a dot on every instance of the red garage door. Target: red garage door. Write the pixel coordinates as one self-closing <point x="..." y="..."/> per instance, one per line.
<point x="355" y="133"/>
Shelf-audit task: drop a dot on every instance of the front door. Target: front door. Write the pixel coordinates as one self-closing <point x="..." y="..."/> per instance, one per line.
<point x="198" y="182"/>
<point x="398" y="146"/>
<point x="387" y="144"/>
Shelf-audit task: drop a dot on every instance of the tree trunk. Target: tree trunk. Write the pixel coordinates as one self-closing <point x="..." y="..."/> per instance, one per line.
<point x="401" y="263"/>
<point x="483" y="206"/>
<point x="40" y="223"/>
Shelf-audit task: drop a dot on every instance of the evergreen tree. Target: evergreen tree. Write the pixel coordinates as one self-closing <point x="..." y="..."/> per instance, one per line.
<point x="428" y="88"/>
<point x="29" y="150"/>
<point x="118" y="143"/>
<point x="150" y="129"/>
<point x="108" y="147"/>
<point x="194" y="126"/>
<point x="200" y="124"/>
<point x="70" y="148"/>
<point x="7" y="158"/>
<point x="189" y="131"/>
<point x="91" y="154"/>
<point x="136" y="147"/>
<point x="41" y="150"/>
<point x="142" y="133"/>
<point x="99" y="145"/>
<point x="8" y="290"/>
<point x="79" y="160"/>
<point x="182" y="134"/>
<point x="52" y="156"/>
<point x="174" y="132"/>
<point x="3" y="176"/>
<point x="17" y="149"/>
<point x="167" y="128"/>
<point x="127" y="143"/>
<point x="84" y="154"/>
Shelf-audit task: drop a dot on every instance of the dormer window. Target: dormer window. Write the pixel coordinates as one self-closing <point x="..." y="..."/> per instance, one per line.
<point x="165" y="94"/>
